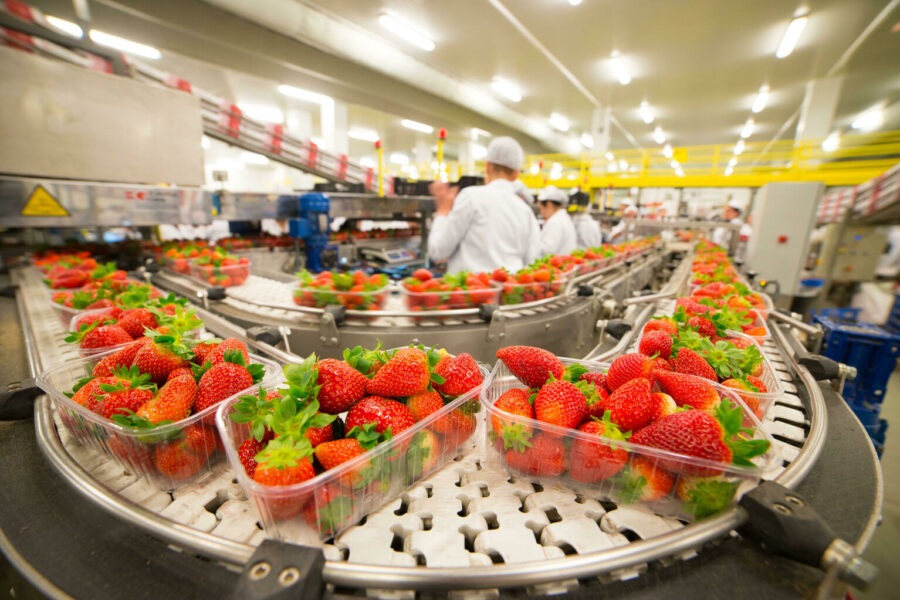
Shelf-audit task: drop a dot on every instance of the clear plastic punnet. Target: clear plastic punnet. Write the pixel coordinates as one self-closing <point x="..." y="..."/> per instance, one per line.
<point x="450" y="300"/>
<point x="515" y="292"/>
<point x="324" y="506"/>
<point x="158" y="454"/>
<point x="222" y="275"/>
<point x="360" y="300"/>
<point x="667" y="483"/>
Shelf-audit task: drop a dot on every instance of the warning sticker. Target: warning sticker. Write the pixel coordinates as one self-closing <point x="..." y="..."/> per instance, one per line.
<point x="42" y="204"/>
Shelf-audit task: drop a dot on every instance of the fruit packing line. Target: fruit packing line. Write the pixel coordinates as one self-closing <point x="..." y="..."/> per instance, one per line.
<point x="659" y="537"/>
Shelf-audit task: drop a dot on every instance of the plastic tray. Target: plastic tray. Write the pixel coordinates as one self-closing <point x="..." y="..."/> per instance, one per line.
<point x="682" y="468"/>
<point x="519" y="293"/>
<point x="320" y="298"/>
<point x="222" y="276"/>
<point x="449" y="300"/>
<point x="133" y="449"/>
<point x="296" y="513"/>
<point x="591" y="265"/>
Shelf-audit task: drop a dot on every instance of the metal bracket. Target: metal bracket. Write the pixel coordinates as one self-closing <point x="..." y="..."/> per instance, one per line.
<point x="262" y="333"/>
<point x="278" y="570"/>
<point x="17" y="401"/>
<point x="497" y="327"/>
<point x="328" y="327"/>
<point x="9" y="291"/>
<point x="215" y="293"/>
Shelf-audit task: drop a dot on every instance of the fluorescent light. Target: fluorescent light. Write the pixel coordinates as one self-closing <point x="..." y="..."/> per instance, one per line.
<point x="869" y="120"/>
<point x="398" y="158"/>
<point x="832" y="142"/>
<point x="667" y="151"/>
<point x="535" y="169"/>
<point x="791" y="36"/>
<point x="587" y="140"/>
<point x="67" y="27"/>
<point x="658" y="136"/>
<point x="507" y="89"/>
<point x="619" y="69"/>
<point x="367" y="162"/>
<point x="761" y="99"/>
<point x="406" y="31"/>
<point x="258" y="112"/>
<point x="609" y="156"/>
<point x="612" y="168"/>
<point x="478" y="152"/>
<point x="300" y="94"/>
<point x="228" y="164"/>
<point x="674" y="164"/>
<point x="623" y="164"/>
<point x="479" y="132"/>
<point x="556" y="171"/>
<point x="559" y="122"/>
<point x="434" y="165"/>
<point x="679" y="172"/>
<point x="574" y="2"/>
<point x="732" y="162"/>
<point x="646" y="114"/>
<point x="739" y="148"/>
<point x="205" y="143"/>
<point x="416" y="126"/>
<point x="747" y="131"/>
<point x="729" y="171"/>
<point x="252" y="158"/>
<point x="114" y="41"/>
<point x="362" y="134"/>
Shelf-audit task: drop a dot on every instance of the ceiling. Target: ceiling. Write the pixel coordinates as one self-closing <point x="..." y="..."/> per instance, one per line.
<point x="698" y="63"/>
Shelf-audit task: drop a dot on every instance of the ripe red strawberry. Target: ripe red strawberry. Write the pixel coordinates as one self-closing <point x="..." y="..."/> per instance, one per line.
<point x="739" y="343"/>
<point x="664" y="324"/>
<point x="223" y="380"/>
<point x="460" y="373"/>
<point x="201" y="350"/>
<point x="628" y="367"/>
<point x="687" y="390"/>
<point x="532" y="366"/>
<point x="598" y="379"/>
<point x="89" y="394"/>
<point x="285" y="461"/>
<point x="134" y="320"/>
<point x="342" y="386"/>
<point x="560" y="403"/>
<point x="404" y="374"/>
<point x="384" y="412"/>
<point x="544" y="455"/>
<point x="172" y="402"/>
<point x="176" y="461"/>
<point x="124" y="401"/>
<point x="704" y="326"/>
<point x="631" y="406"/>
<point x="645" y="481"/>
<point x="689" y="362"/>
<point x="656" y="342"/>
<point x="96" y="335"/>
<point x="202" y="441"/>
<point x="665" y="405"/>
<point x="422" y="454"/>
<point x="319" y="435"/>
<point x="104" y="318"/>
<point x="158" y="359"/>
<point x="594" y="460"/>
<point x="333" y="454"/>
<point x="217" y="354"/>
<point x="513" y="433"/>
<point x="180" y="372"/>
<point x="131" y="451"/>
<point x="121" y="358"/>
<point x="247" y="454"/>
<point x="758" y="383"/>
<point x="424" y="404"/>
<point x="750" y="400"/>
<point x="596" y="402"/>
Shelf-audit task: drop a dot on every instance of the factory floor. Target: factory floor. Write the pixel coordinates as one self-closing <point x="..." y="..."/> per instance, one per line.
<point x="882" y="550"/>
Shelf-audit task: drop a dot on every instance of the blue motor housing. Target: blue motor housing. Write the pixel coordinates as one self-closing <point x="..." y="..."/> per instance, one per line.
<point x="312" y="226"/>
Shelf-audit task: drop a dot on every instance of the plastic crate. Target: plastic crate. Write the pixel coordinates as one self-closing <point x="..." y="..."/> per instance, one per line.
<point x="893" y="321"/>
<point x="840" y="314"/>
<point x="868" y="347"/>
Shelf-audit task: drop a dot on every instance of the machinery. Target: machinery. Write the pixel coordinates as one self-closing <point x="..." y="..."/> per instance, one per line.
<point x="855" y="252"/>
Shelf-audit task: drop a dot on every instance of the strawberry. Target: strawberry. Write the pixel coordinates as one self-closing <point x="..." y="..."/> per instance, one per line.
<point x="514" y="434"/>
<point x="704" y="326"/>
<point x="217" y="354"/>
<point x="596" y="402"/>
<point x="87" y="392"/>
<point x="384" y="412"/>
<point x="224" y="379"/>
<point x="593" y="460"/>
<point x="319" y="435"/>
<point x="424" y="404"/>
<point x="705" y="496"/>
<point x="422" y="274"/>
<point x="544" y="455"/>
<point x="329" y="511"/>
<point x="134" y="320"/>
<point x="132" y="452"/>
<point x="333" y="454"/>
<point x="422" y="454"/>
<point x="247" y="452"/>
<point x="739" y="343"/>
<point x="460" y="373"/>
<point x="160" y="357"/>
<point x="664" y="324"/>
<point x="631" y="406"/>
<point x="96" y="335"/>
<point x="718" y="438"/>
<point x="201" y="349"/>
<point x="644" y="480"/>
<point x="532" y="366"/>
<point x="750" y="400"/>
<point x="180" y="372"/>
<point x="689" y="362"/>
<point x="628" y="367"/>
<point x="124" y="401"/>
<point x="758" y="383"/>
<point x="104" y="318"/>
<point x="120" y="358"/>
<point x="172" y="402"/>
<point x="284" y="461"/>
<point x="687" y="390"/>
<point x="561" y="403"/>
<point x="656" y="342"/>
<point x="665" y="405"/>
<point x="202" y="441"/>
<point x="598" y="379"/>
<point x="404" y="374"/>
<point x="176" y="461"/>
<point x="341" y="386"/>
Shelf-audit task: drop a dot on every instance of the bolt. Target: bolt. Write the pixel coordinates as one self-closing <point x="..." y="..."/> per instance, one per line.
<point x="795" y="500"/>
<point x="334" y="340"/>
<point x="416" y="341"/>
<point x="502" y="335"/>
<point x="289" y="576"/>
<point x="785" y="510"/>
<point x="490" y="338"/>
<point x="322" y="339"/>
<point x="546" y="325"/>
<point x="260" y="570"/>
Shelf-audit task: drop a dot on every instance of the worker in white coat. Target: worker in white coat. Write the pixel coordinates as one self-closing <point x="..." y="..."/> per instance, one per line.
<point x="721" y="236"/>
<point x="587" y="229"/>
<point x="618" y="233"/>
<point x="484" y="227"/>
<point x="558" y="235"/>
<point x="523" y="192"/>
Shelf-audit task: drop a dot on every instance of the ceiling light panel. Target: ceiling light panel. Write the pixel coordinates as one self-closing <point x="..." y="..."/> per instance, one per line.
<point x="832" y="142"/>
<point x="507" y="89"/>
<point x="658" y="136"/>
<point x="762" y="98"/>
<point x="559" y="122"/>
<point x="405" y="31"/>
<point x="646" y="113"/>
<point x="67" y="27"/>
<point x="416" y="126"/>
<point x="747" y="130"/>
<point x="869" y="120"/>
<point x="791" y="37"/>
<point x="301" y="94"/>
<point x="619" y="69"/>
<point x="114" y="41"/>
<point x="363" y="134"/>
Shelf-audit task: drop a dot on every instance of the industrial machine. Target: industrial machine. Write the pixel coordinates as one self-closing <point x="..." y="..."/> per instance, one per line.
<point x="845" y="254"/>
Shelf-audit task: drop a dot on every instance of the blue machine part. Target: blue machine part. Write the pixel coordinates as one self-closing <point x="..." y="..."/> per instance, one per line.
<point x="312" y="227"/>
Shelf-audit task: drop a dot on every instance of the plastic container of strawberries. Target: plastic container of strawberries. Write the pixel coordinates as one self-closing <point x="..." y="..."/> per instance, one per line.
<point x="326" y="505"/>
<point x="137" y="450"/>
<point x="223" y="275"/>
<point x="91" y="352"/>
<point x="361" y="300"/>
<point x="682" y="469"/>
<point x="513" y="292"/>
<point x="449" y="300"/>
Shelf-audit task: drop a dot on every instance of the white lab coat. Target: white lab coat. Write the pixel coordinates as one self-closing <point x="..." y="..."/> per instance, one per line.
<point x="722" y="236"/>
<point x="588" y="231"/>
<point x="558" y="235"/>
<point x="489" y="227"/>
<point x="618" y="233"/>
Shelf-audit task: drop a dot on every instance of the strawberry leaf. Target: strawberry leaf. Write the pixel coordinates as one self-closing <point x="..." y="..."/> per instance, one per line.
<point x="331" y="517"/>
<point x="573" y="372"/>
<point x="709" y="497"/>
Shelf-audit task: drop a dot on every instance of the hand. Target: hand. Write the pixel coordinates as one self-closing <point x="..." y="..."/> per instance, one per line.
<point x="444" y="195"/>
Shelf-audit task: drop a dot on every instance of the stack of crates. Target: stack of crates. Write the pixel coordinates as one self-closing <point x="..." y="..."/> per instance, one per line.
<point x="893" y="322"/>
<point x="873" y="351"/>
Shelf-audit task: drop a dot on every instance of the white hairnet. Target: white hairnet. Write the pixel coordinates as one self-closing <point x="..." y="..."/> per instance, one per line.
<point x="522" y="191"/>
<point x="736" y="206"/>
<point x="506" y="152"/>
<point x="552" y="193"/>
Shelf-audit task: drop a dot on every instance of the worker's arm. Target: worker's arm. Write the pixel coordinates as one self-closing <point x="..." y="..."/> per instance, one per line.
<point x="447" y="230"/>
<point x="551" y="236"/>
<point x="533" y="251"/>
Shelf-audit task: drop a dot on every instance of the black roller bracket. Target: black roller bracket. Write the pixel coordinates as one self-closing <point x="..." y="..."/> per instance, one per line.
<point x="585" y="290"/>
<point x="17" y="400"/>
<point x="266" y="335"/>
<point x="820" y="367"/>
<point x="486" y="312"/>
<point x="9" y="291"/>
<point x="784" y="523"/>
<point x="215" y="293"/>
<point x="151" y="266"/>
<point x="752" y="275"/>
<point x="618" y="327"/>
<point x="278" y="570"/>
<point x="338" y="312"/>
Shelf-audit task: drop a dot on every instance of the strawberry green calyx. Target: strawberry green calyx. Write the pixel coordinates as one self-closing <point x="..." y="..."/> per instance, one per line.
<point x="139" y="381"/>
<point x="611" y="430"/>
<point x="291" y="419"/>
<point x="629" y="485"/>
<point x="750" y="359"/>
<point x="256" y="370"/>
<point x="737" y="437"/>
<point x="182" y="322"/>
<point x="688" y="338"/>
<point x="724" y="358"/>
<point x="102" y="271"/>
<point x="367" y="436"/>
<point x="433" y="357"/>
<point x="284" y="452"/>
<point x="335" y="514"/>
<point x="573" y="372"/>
<point x="81" y="383"/>
<point x="726" y="319"/>
<point x="516" y="436"/>
<point x="173" y="342"/>
<point x="77" y="336"/>
<point x="363" y="359"/>
<point x="255" y="410"/>
<point x="706" y="498"/>
<point x="302" y="379"/>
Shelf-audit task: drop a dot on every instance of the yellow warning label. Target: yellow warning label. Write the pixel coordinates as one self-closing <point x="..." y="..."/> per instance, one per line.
<point x="42" y="204"/>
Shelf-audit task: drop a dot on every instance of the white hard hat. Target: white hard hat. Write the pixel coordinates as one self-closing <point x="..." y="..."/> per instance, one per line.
<point x="626" y="203"/>
<point x="551" y="193"/>
<point x="522" y="191"/>
<point x="506" y="152"/>
<point x="736" y="205"/>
